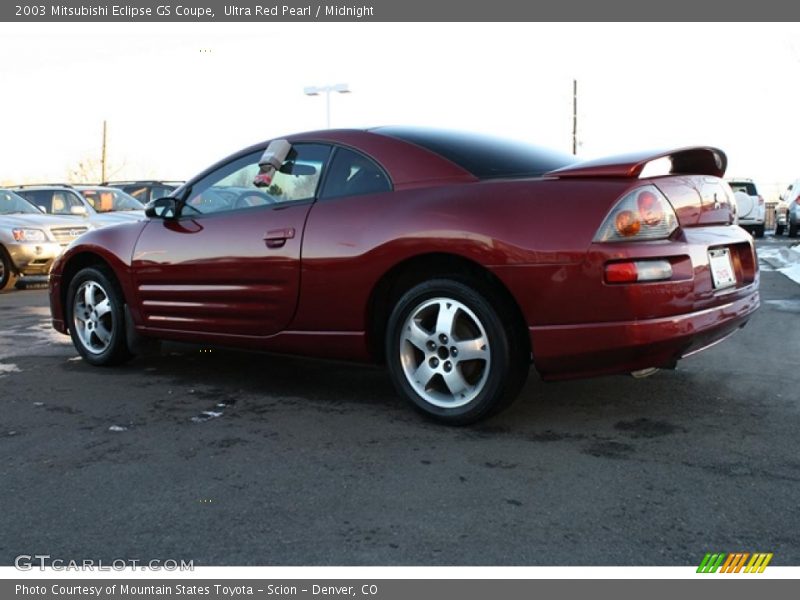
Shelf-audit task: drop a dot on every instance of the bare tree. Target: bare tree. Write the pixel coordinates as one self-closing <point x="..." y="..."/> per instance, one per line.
<point x="89" y="170"/>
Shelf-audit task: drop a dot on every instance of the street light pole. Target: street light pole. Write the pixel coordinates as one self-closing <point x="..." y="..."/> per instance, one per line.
<point x="574" y="116"/>
<point x="328" y="108"/>
<point x="340" y="88"/>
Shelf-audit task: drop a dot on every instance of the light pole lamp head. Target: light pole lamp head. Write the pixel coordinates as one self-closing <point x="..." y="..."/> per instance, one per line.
<point x="311" y="91"/>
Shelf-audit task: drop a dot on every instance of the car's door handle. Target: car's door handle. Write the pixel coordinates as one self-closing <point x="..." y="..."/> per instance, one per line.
<point x="276" y="238"/>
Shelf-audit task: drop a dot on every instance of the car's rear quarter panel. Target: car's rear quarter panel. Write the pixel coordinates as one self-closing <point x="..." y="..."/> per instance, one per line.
<point x="536" y="237"/>
<point x="349" y="244"/>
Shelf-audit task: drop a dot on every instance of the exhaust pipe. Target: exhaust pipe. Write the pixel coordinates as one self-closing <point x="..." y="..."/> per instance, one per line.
<point x="642" y="373"/>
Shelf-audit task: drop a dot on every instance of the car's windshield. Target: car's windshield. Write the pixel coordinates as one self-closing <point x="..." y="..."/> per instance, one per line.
<point x="109" y="200"/>
<point x="11" y="204"/>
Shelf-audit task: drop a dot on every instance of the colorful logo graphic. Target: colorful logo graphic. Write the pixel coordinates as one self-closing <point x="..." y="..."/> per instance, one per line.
<point x="734" y="562"/>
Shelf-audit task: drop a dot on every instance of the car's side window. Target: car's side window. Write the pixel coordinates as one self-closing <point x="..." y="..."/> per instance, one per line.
<point x="233" y="186"/>
<point x="138" y="192"/>
<point x="64" y="201"/>
<point x="158" y="191"/>
<point x="353" y="174"/>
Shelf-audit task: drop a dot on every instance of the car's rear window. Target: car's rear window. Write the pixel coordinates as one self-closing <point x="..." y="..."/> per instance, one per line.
<point x="748" y="187"/>
<point x="484" y="156"/>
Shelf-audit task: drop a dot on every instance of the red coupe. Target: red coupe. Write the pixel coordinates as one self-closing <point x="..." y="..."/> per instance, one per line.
<point x="456" y="259"/>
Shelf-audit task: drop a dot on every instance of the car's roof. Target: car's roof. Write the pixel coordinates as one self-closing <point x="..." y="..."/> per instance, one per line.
<point x="43" y="186"/>
<point x="143" y="182"/>
<point x="96" y="187"/>
<point x="407" y="164"/>
<point x="414" y="155"/>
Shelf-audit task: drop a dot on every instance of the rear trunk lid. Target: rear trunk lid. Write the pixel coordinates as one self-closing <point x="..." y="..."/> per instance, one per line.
<point x="693" y="185"/>
<point x="699" y="200"/>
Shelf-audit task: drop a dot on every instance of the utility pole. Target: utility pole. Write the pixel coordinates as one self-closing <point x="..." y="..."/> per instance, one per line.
<point x="103" y="157"/>
<point x="574" y="116"/>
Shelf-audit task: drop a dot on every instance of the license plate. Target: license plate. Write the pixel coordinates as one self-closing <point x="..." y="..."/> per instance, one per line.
<point x="722" y="273"/>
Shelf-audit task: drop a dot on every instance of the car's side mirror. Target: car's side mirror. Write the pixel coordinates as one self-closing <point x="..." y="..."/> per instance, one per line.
<point x="162" y="208"/>
<point x="78" y="210"/>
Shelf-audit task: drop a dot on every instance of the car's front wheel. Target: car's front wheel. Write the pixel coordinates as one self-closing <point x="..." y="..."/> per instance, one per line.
<point x="96" y="317"/>
<point x="451" y="354"/>
<point x="7" y="275"/>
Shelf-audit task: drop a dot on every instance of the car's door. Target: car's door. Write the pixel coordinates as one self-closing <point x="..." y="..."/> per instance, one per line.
<point x="230" y="263"/>
<point x="351" y="214"/>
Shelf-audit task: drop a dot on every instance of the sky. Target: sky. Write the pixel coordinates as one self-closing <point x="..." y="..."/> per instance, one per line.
<point x="179" y="97"/>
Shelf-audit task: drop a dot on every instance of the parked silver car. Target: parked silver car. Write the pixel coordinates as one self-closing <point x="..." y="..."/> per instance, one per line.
<point x="100" y="206"/>
<point x="31" y="240"/>
<point x="787" y="212"/>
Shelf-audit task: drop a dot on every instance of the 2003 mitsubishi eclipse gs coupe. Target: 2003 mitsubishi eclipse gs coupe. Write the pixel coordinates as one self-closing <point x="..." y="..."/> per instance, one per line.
<point x="456" y="259"/>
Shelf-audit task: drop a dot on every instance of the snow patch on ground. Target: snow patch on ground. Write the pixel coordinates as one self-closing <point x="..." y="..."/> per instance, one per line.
<point x="6" y="369"/>
<point x="792" y="272"/>
<point x="783" y="260"/>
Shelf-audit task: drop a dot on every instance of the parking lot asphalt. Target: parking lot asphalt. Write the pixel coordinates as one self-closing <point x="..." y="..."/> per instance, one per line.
<point x="229" y="458"/>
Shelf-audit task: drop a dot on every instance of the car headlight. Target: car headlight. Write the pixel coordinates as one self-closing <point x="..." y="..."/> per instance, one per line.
<point x="29" y="235"/>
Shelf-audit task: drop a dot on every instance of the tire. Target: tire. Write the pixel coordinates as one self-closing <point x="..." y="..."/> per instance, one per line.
<point x="779" y="229"/>
<point x="758" y="231"/>
<point x="451" y="355"/>
<point x="96" y="318"/>
<point x="792" y="230"/>
<point x="8" y="276"/>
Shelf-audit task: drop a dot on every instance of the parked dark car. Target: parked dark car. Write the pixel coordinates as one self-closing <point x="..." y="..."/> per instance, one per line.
<point x="145" y="190"/>
<point x="456" y="259"/>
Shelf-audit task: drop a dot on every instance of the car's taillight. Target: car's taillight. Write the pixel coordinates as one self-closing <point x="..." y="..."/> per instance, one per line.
<point x="632" y="271"/>
<point x="797" y="200"/>
<point x="642" y="214"/>
<point x="760" y="200"/>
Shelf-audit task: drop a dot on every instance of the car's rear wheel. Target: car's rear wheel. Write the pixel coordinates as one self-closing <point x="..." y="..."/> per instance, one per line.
<point x="450" y="353"/>
<point x="792" y="229"/>
<point x="778" y="227"/>
<point x="96" y="317"/>
<point x="758" y="231"/>
<point x="7" y="275"/>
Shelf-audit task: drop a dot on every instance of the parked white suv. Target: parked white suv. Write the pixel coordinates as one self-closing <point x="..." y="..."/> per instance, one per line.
<point x="750" y="206"/>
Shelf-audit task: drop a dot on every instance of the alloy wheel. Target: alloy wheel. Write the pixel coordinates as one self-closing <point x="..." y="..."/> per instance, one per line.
<point x="92" y="317"/>
<point x="445" y="352"/>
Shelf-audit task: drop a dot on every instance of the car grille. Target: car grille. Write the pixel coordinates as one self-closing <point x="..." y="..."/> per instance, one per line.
<point x="64" y="235"/>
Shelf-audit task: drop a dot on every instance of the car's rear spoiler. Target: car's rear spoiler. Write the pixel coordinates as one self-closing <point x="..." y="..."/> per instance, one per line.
<point x="694" y="160"/>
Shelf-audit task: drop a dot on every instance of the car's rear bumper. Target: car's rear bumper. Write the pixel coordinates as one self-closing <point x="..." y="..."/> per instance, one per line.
<point x="588" y="349"/>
